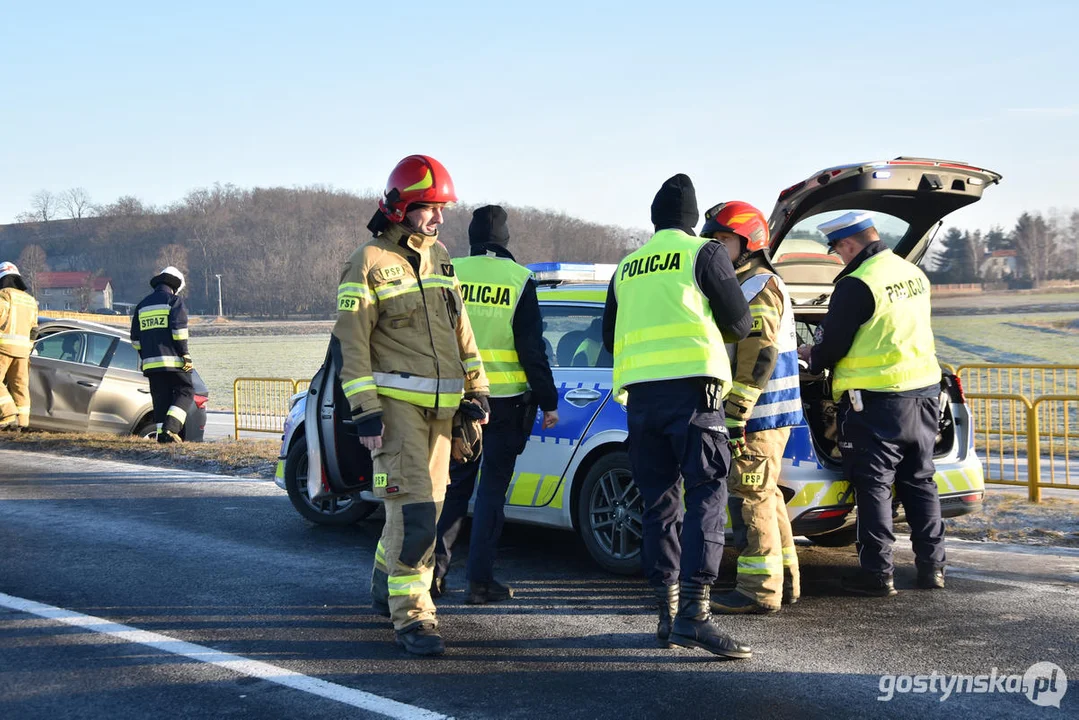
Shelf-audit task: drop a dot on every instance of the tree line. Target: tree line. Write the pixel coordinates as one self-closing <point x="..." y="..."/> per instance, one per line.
<point x="1037" y="249"/>
<point x="278" y="250"/>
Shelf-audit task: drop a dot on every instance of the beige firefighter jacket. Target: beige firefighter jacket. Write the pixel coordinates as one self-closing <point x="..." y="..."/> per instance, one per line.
<point x="405" y="333"/>
<point x="755" y="356"/>
<point x="18" y="317"/>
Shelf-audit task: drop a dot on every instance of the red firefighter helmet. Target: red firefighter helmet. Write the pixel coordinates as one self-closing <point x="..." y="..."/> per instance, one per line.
<point x="739" y="218"/>
<point x="416" y="179"/>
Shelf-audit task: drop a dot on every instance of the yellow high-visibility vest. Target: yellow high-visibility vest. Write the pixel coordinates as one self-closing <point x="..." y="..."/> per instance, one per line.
<point x="491" y="288"/>
<point x="894" y="350"/>
<point x="17" y="322"/>
<point x="664" y="328"/>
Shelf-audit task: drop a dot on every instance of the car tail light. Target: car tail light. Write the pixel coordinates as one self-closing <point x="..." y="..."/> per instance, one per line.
<point x="791" y="190"/>
<point x="954" y="386"/>
<point x="200" y="401"/>
<point x="826" y="513"/>
<point x="973" y="497"/>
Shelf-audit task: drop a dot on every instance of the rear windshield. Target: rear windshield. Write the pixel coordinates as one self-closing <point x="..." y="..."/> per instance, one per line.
<point x="805" y="239"/>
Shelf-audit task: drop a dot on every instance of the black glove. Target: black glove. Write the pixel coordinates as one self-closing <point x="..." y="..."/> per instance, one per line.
<point x="466" y="442"/>
<point x="368" y="427"/>
<point x="482" y="401"/>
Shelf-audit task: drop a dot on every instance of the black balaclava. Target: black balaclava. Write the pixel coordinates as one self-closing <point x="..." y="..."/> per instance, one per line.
<point x="675" y="205"/>
<point x="12" y="281"/>
<point x="170" y="281"/>
<point x="489" y="226"/>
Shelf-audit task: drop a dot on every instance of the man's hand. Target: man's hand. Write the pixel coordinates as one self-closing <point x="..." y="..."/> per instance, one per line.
<point x="188" y="365"/>
<point x="737" y="430"/>
<point x="804" y="351"/>
<point x="550" y="419"/>
<point x="371" y="442"/>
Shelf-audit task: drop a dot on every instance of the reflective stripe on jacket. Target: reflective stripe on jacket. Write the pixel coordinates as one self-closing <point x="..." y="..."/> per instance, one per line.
<point x="664" y="328"/>
<point x="491" y="288"/>
<point x="894" y="350"/>
<point x="159" y="331"/>
<point x="403" y="329"/>
<point x="18" y="317"/>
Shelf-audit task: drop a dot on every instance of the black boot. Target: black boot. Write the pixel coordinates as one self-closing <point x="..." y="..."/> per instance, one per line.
<point x="693" y="626"/>
<point x="439" y="587"/>
<point x="421" y="639"/>
<point x="481" y="593"/>
<point x="667" y="603"/>
<point x="931" y="578"/>
<point x="869" y="584"/>
<point x="735" y="603"/>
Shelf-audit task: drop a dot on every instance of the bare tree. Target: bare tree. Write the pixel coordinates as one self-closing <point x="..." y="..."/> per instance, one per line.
<point x="76" y="203"/>
<point x="32" y="262"/>
<point x="1035" y="244"/>
<point x="45" y="205"/>
<point x="84" y="294"/>
<point x="174" y="255"/>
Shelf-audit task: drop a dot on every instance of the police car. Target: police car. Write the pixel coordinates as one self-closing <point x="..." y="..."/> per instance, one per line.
<point x="576" y="476"/>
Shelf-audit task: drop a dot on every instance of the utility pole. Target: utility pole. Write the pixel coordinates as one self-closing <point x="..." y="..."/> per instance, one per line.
<point x="219" y="312"/>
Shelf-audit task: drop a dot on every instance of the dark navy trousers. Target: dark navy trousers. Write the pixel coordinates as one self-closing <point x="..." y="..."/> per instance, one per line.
<point x="674" y="442"/>
<point x="890" y="443"/>
<point x="504" y="437"/>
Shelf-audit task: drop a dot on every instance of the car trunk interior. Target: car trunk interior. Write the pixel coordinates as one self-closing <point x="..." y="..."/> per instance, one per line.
<point x="820" y="409"/>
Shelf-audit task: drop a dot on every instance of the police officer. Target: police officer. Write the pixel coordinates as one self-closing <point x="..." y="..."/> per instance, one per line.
<point x="764" y="404"/>
<point x="18" y="327"/>
<point x="671" y="306"/>
<point x="159" y="333"/>
<point x="886" y="379"/>
<point x="500" y="297"/>
<point x="408" y="356"/>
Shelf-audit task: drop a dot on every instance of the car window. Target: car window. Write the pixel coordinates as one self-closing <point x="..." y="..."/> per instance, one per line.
<point x="66" y="346"/>
<point x="573" y="336"/>
<point x="97" y="346"/>
<point x="126" y="357"/>
<point x="805" y="239"/>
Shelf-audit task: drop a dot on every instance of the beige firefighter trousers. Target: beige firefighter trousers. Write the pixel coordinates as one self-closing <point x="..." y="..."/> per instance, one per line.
<point x="14" y="391"/>
<point x="755" y="479"/>
<point x="412" y="470"/>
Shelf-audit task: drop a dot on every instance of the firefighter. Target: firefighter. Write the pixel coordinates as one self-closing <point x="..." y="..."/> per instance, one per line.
<point x="408" y="357"/>
<point x="878" y="340"/>
<point x="159" y="333"/>
<point x="18" y="329"/>
<point x="500" y="297"/>
<point x="671" y="306"/>
<point x="763" y="405"/>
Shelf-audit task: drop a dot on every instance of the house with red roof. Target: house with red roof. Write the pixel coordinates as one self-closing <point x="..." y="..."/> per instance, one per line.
<point x="77" y="291"/>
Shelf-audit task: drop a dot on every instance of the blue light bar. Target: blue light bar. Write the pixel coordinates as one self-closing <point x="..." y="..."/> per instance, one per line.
<point x="552" y="272"/>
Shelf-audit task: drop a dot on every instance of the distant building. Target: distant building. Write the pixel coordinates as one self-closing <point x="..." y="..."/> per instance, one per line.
<point x="72" y="291"/>
<point x="999" y="265"/>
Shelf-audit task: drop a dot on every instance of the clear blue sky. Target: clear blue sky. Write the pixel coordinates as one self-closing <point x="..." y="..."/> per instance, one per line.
<point x="578" y="106"/>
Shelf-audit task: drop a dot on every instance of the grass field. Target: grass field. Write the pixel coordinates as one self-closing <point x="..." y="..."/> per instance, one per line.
<point x="220" y="360"/>
<point x="1007" y="338"/>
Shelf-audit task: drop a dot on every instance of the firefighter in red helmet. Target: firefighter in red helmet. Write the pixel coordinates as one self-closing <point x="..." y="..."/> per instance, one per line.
<point x="763" y="405"/>
<point x="409" y="360"/>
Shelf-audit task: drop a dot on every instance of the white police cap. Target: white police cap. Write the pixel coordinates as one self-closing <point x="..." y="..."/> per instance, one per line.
<point x="845" y="225"/>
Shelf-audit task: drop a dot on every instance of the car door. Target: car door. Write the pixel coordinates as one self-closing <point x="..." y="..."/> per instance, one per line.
<point x="63" y="381"/>
<point x="583" y="379"/>
<point x="124" y="395"/>
<point x="908" y="197"/>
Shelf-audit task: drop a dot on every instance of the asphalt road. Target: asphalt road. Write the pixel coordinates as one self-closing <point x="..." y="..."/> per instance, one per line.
<point x="130" y="592"/>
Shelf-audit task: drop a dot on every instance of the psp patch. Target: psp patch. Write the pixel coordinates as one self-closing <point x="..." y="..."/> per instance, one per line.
<point x="390" y="272"/>
<point x="752" y="478"/>
<point x="380" y="480"/>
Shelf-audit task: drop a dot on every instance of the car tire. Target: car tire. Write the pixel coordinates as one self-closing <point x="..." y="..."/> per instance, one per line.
<point x="331" y="511"/>
<point x="609" y="510"/>
<point x="839" y="538"/>
<point x="146" y="429"/>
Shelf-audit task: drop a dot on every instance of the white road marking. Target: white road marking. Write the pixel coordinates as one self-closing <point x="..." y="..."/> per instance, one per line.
<point x="236" y="663"/>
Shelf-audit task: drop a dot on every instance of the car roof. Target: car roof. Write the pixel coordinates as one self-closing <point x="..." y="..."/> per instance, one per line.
<point x="573" y="292"/>
<point x="46" y="322"/>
